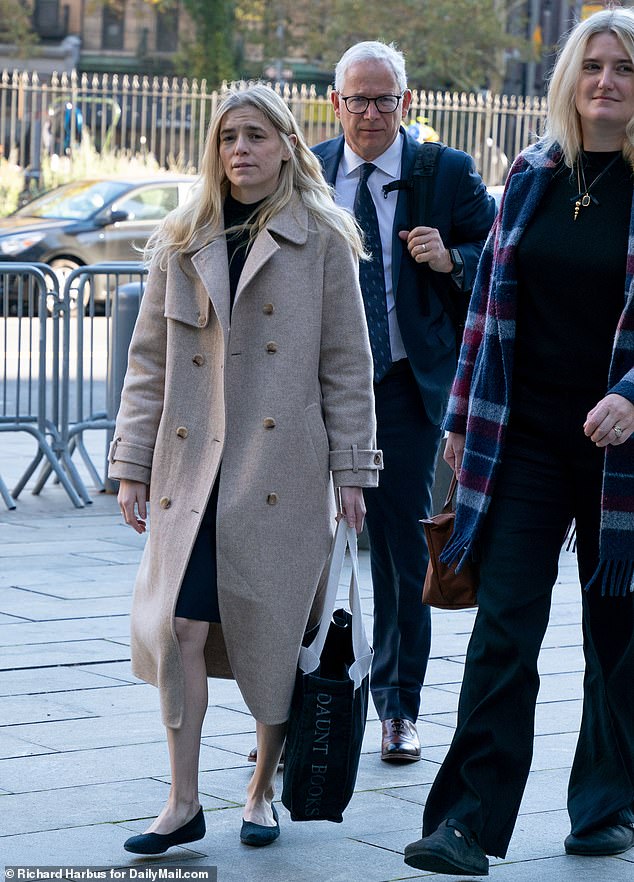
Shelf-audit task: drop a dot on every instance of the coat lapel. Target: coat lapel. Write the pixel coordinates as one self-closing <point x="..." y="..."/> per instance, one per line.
<point x="212" y="266"/>
<point x="259" y="255"/>
<point x="211" y="262"/>
<point x="290" y="223"/>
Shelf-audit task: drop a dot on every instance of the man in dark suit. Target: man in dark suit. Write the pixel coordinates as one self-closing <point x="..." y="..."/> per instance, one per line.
<point x="413" y="272"/>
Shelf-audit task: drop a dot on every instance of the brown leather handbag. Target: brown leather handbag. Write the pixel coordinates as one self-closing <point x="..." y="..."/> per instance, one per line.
<point x="444" y="588"/>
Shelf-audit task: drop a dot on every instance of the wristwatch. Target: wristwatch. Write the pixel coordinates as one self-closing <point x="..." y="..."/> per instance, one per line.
<point x="457" y="272"/>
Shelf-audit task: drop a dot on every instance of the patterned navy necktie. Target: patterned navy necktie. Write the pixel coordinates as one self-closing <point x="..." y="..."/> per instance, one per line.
<point x="372" y="276"/>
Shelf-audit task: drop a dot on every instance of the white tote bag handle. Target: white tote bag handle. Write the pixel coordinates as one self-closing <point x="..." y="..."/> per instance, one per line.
<point x="345" y="537"/>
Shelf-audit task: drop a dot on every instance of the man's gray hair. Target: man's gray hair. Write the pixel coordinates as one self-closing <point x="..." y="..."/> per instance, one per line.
<point x="372" y="50"/>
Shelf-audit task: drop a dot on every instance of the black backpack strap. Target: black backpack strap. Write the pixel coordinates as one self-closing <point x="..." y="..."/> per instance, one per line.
<point x="423" y="180"/>
<point x="420" y="186"/>
<point x="421" y="205"/>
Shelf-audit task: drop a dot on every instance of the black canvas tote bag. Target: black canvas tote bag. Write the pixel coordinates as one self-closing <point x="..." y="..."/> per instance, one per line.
<point x="330" y="702"/>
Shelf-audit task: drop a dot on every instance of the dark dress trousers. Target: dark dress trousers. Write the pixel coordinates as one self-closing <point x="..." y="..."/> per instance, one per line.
<point x="550" y="472"/>
<point x="410" y="405"/>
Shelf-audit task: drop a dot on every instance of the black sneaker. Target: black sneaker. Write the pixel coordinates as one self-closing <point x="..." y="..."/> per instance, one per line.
<point x="452" y="848"/>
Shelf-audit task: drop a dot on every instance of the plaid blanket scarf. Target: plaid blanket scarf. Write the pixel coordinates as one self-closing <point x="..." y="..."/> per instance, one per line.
<point x="480" y="397"/>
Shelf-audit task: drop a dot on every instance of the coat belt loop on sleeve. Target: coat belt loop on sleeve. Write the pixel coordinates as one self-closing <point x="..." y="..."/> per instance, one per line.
<point x="355" y="458"/>
<point x="113" y="449"/>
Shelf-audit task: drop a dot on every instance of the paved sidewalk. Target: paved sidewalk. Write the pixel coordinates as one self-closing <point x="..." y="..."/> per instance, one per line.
<point x="83" y="762"/>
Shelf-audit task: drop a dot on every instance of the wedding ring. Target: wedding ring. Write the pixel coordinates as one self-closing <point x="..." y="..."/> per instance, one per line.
<point x="618" y="431"/>
<point x="424" y="247"/>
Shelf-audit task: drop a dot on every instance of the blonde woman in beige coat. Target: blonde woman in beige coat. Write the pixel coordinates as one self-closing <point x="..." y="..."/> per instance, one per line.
<point x="248" y="399"/>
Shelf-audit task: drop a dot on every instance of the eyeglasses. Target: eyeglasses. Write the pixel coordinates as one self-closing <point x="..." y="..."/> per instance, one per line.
<point x="383" y="103"/>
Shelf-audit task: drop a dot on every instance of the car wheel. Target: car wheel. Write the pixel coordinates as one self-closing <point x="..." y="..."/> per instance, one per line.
<point x="63" y="267"/>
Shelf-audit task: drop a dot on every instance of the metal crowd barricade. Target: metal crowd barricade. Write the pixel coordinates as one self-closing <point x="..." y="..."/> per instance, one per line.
<point x="99" y="330"/>
<point x="32" y="312"/>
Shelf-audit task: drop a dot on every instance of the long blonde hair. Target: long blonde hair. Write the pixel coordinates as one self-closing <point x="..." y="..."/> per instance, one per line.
<point x="200" y="217"/>
<point x="563" y="125"/>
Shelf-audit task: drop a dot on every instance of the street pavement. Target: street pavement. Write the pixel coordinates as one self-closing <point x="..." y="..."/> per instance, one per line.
<point x="83" y="761"/>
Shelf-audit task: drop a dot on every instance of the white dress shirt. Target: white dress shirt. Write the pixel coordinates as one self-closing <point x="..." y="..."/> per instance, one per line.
<point x="388" y="169"/>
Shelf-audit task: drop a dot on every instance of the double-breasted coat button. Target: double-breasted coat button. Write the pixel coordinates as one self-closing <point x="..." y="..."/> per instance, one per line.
<point x="377" y="459"/>
<point x="272" y="499"/>
<point x="182" y="432"/>
<point x="268" y="423"/>
<point x="165" y="502"/>
<point x="271" y="346"/>
<point x="202" y="321"/>
<point x="198" y="360"/>
<point x="268" y="309"/>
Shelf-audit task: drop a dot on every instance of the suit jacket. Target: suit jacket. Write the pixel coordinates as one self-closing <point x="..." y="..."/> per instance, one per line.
<point x="463" y="212"/>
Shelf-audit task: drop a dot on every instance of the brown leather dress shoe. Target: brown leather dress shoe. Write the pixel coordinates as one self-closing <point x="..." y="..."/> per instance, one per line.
<point x="399" y="742"/>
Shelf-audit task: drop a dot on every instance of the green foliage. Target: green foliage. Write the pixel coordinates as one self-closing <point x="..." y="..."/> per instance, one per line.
<point x="459" y="45"/>
<point x="15" y="26"/>
<point x="211" y="53"/>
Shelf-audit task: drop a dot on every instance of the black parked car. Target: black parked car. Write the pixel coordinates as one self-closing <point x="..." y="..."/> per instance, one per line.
<point x="90" y="221"/>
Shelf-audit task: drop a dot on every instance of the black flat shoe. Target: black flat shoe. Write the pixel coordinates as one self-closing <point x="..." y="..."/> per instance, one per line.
<point x="259" y="834"/>
<point x="604" y="841"/>
<point x="451" y="849"/>
<point x="157" y="843"/>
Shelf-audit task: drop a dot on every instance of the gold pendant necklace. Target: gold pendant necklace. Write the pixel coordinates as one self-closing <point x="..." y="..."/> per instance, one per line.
<point x="583" y="197"/>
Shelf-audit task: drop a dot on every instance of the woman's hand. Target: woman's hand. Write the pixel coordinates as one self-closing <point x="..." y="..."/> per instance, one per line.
<point x="133" y="494"/>
<point x="611" y="421"/>
<point x="353" y="506"/>
<point x="454" y="449"/>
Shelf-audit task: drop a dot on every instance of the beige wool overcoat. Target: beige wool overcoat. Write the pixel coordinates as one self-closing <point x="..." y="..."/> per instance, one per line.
<point x="279" y="392"/>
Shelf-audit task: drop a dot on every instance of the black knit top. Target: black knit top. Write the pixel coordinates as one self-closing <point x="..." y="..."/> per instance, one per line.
<point x="572" y="279"/>
<point x="236" y="213"/>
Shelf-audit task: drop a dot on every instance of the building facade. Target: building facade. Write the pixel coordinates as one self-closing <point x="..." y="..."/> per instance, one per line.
<point x="135" y="37"/>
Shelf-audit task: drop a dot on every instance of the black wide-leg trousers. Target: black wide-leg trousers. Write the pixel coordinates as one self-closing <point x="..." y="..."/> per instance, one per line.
<point x="550" y="473"/>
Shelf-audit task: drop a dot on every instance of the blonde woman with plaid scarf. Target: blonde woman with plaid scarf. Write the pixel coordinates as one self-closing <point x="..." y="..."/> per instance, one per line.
<point x="540" y="424"/>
